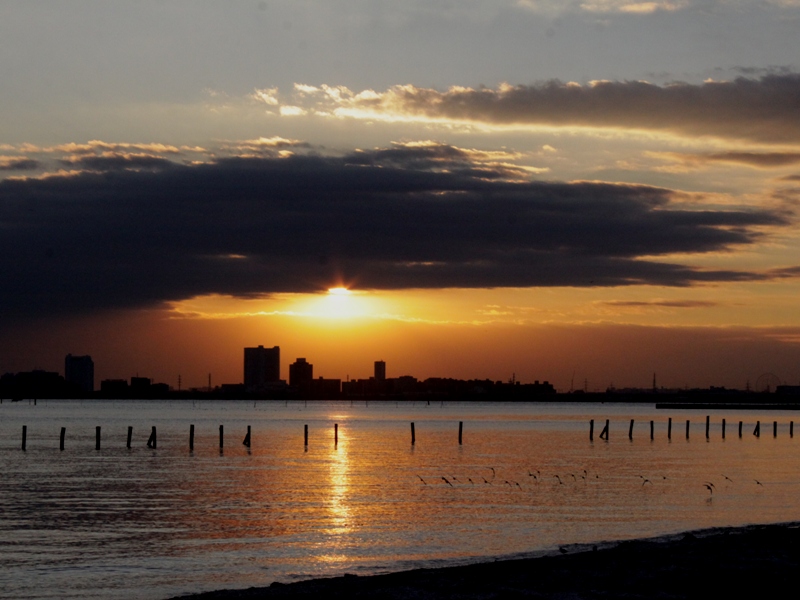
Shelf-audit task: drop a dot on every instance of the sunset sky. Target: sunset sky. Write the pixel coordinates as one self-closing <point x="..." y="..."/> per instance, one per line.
<point x="575" y="191"/>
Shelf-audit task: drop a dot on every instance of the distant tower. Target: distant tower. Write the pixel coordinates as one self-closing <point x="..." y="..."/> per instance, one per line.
<point x="261" y="366"/>
<point x="380" y="370"/>
<point x="301" y="372"/>
<point x="80" y="371"/>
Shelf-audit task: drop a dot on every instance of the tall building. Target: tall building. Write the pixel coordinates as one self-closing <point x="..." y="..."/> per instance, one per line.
<point x="79" y="370"/>
<point x="261" y="366"/>
<point x="301" y="372"/>
<point x="380" y="370"/>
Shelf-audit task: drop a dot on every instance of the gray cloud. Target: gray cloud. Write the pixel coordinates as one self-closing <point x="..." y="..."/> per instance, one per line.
<point x="247" y="226"/>
<point x="18" y="163"/>
<point x="754" y="159"/>
<point x="110" y="161"/>
<point x="764" y="109"/>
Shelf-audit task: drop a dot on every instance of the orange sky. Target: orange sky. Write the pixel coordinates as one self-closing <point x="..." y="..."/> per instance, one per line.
<point x="539" y="188"/>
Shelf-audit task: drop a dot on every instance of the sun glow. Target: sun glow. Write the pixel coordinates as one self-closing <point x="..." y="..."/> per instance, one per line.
<point x="339" y="291"/>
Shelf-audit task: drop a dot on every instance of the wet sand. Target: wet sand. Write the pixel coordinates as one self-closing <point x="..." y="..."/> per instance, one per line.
<point x="737" y="562"/>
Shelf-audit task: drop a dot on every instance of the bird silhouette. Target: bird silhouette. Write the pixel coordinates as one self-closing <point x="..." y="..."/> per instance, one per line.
<point x="447" y="482"/>
<point x="422" y="480"/>
<point x="710" y="488"/>
<point x="758" y="482"/>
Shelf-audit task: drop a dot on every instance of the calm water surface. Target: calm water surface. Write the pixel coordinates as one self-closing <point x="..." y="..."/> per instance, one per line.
<point x="143" y="523"/>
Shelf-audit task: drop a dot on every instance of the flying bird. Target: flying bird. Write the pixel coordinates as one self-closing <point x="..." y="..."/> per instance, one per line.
<point x="447" y="482"/>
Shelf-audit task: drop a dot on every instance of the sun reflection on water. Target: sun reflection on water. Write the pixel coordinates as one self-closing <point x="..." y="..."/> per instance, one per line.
<point x="338" y="502"/>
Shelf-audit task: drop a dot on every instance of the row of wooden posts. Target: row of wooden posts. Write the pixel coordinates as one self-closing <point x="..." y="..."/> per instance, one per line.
<point x="152" y="441"/>
<point x="756" y="430"/>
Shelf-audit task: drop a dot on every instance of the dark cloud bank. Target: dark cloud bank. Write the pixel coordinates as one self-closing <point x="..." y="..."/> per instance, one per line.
<point x="243" y="226"/>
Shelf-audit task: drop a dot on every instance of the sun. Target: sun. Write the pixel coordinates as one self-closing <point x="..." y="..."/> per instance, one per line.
<point x="339" y="291"/>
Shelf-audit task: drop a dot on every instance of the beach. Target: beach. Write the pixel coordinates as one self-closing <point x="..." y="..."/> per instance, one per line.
<point x="759" y="559"/>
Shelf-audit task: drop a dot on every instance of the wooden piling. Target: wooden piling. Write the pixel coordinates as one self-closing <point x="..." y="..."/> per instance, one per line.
<point x="708" y="425"/>
<point x="740" y="429"/>
<point x="97" y="438"/>
<point x="757" y="430"/>
<point x="652" y="430"/>
<point x="774" y="429"/>
<point x="130" y="435"/>
<point x="460" y="431"/>
<point x="604" y="433"/>
<point x="335" y="434"/>
<point x="151" y="441"/>
<point x="630" y="430"/>
<point x="723" y="429"/>
<point x="413" y="435"/>
<point x="191" y="438"/>
<point x="24" y="436"/>
<point x="61" y="439"/>
<point x="591" y="430"/>
<point x="791" y="429"/>
<point x="305" y="435"/>
<point x="669" y="429"/>
<point x="687" y="429"/>
<point x="246" y="441"/>
<point x="221" y="437"/>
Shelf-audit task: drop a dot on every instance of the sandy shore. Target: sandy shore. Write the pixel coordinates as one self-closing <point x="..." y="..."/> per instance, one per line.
<point x="756" y="561"/>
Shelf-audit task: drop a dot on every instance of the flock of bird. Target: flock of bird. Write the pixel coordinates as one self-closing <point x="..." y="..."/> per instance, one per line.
<point x="536" y="478"/>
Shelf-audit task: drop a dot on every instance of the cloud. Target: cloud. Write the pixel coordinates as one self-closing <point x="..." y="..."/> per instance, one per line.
<point x="430" y="155"/>
<point x="626" y="6"/>
<point x="272" y="146"/>
<point x="18" y="163"/>
<point x="758" y="160"/>
<point x="604" y="6"/>
<point x="663" y="303"/>
<point x="763" y="109"/>
<point x="268" y="96"/>
<point x="291" y="111"/>
<point x="109" y="161"/>
<point x="424" y="216"/>
<point x="98" y="146"/>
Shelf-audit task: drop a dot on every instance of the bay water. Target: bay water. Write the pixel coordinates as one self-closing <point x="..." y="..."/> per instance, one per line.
<point x="154" y="523"/>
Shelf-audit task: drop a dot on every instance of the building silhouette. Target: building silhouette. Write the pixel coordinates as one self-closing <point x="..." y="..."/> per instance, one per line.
<point x="380" y="370"/>
<point x="79" y="371"/>
<point x="301" y="372"/>
<point x="262" y="366"/>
